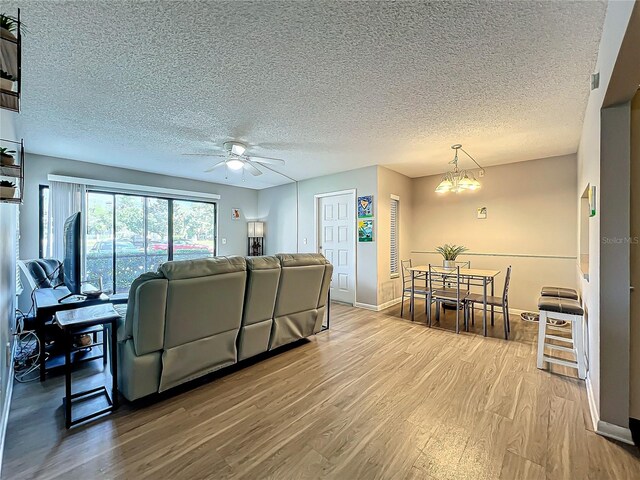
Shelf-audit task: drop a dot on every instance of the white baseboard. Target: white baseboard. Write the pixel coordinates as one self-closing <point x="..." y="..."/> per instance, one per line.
<point x="593" y="409"/>
<point x="622" y="434"/>
<point x="4" y="415"/>
<point x="378" y="308"/>
<point x="616" y="432"/>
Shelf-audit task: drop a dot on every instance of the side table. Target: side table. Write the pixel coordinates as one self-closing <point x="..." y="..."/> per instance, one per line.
<point x="73" y="322"/>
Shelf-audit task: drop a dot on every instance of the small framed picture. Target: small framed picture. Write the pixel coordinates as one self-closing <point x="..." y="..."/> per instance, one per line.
<point x="592" y="201"/>
<point x="482" y="213"/>
<point x="235" y="214"/>
<point x="365" y="230"/>
<point x="365" y="206"/>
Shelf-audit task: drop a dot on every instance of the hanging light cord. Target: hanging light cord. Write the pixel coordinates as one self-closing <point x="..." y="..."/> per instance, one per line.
<point x="474" y="160"/>
<point x="297" y="203"/>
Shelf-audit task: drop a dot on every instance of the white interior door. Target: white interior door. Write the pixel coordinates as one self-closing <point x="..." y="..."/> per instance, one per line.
<point x="336" y="241"/>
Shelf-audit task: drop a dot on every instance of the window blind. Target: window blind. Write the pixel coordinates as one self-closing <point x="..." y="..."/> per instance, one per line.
<point x="394" y="245"/>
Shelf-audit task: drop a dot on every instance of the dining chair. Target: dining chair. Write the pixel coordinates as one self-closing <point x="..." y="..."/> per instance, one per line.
<point x="440" y="292"/>
<point x="420" y="287"/>
<point x="500" y="302"/>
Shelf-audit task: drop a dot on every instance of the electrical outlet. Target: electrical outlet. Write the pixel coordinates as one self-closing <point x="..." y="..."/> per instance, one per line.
<point x="304" y="241"/>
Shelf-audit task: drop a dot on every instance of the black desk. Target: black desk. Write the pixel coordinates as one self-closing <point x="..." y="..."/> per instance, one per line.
<point x="46" y="305"/>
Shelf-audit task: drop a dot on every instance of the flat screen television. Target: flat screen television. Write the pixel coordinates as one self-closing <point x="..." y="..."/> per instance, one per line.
<point x="72" y="254"/>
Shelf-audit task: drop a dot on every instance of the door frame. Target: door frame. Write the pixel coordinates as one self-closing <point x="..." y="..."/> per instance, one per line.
<point x="316" y="230"/>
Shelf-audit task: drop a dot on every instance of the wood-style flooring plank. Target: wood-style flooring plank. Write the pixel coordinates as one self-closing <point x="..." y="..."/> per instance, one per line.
<point x="375" y="397"/>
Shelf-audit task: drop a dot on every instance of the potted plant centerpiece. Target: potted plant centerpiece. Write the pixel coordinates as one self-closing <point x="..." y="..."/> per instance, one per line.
<point x="6" y="157"/>
<point x="8" y="25"/>
<point x="7" y="80"/>
<point x="7" y="189"/>
<point x="450" y="253"/>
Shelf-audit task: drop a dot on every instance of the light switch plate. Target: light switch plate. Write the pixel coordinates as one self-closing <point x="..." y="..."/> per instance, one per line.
<point x="224" y="241"/>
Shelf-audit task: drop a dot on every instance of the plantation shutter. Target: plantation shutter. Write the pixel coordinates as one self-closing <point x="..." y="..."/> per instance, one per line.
<point x="394" y="245"/>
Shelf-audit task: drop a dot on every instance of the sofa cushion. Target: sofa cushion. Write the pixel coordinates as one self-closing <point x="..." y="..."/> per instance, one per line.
<point x="301" y="259"/>
<point x="144" y="315"/>
<point x="202" y="267"/>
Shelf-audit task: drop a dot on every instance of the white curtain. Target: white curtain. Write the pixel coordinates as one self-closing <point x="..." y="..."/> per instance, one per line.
<point x="65" y="199"/>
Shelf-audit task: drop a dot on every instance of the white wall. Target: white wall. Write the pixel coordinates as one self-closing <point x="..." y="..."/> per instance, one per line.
<point x="278" y="203"/>
<point x="277" y="208"/>
<point x="37" y="168"/>
<point x="634" y="373"/>
<point x="530" y="225"/>
<point x="589" y="173"/>
<point x="7" y="286"/>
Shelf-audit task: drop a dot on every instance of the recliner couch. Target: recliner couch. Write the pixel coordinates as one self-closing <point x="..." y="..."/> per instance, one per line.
<point x="197" y="316"/>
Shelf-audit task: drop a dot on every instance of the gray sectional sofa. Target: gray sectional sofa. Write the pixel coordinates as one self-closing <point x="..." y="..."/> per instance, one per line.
<point x="197" y="316"/>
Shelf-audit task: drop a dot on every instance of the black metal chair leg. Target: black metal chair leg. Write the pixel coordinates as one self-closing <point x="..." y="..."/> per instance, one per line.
<point x="504" y="319"/>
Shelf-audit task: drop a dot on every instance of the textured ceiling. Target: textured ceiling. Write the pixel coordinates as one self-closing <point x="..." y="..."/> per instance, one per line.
<point x="326" y="85"/>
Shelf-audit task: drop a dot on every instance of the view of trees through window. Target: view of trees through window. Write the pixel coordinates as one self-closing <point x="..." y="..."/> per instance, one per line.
<point x="147" y="232"/>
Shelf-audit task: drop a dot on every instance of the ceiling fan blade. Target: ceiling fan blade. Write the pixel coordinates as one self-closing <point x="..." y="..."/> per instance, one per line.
<point x="267" y="160"/>
<point x="204" y="154"/>
<point x="248" y="166"/>
<point x="219" y="164"/>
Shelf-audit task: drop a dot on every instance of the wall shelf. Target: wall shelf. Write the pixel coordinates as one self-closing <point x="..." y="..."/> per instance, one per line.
<point x="14" y="173"/>
<point x="11" y="62"/>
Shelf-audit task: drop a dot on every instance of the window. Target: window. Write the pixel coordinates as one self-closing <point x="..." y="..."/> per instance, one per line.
<point x="394" y="250"/>
<point x="127" y="235"/>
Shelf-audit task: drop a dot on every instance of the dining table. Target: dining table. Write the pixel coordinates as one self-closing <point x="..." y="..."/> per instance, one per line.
<point x="484" y="278"/>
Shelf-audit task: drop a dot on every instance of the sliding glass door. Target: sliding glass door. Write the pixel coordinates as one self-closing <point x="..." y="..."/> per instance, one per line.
<point x="193" y="230"/>
<point x="99" y="240"/>
<point x="128" y="235"/>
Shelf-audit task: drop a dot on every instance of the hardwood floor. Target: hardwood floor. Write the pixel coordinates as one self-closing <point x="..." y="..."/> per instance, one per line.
<point x="375" y="397"/>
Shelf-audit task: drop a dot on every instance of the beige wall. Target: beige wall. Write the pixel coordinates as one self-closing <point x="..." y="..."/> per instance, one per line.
<point x="531" y="224"/>
<point x="634" y="372"/>
<point x="392" y="183"/>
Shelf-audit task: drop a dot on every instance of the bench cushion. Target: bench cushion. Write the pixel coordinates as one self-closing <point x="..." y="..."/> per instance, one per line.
<point x="560" y="305"/>
<point x="559" y="292"/>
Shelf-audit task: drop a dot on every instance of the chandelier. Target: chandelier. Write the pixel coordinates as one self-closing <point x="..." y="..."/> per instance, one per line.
<point x="459" y="180"/>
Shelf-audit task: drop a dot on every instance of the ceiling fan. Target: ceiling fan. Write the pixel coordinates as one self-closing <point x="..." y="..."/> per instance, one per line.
<point x="236" y="158"/>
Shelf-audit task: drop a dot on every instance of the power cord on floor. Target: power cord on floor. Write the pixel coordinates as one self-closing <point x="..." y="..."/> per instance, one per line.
<point x="26" y="360"/>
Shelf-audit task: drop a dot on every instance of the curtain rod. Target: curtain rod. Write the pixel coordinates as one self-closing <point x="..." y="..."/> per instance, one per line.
<point x="130" y="187"/>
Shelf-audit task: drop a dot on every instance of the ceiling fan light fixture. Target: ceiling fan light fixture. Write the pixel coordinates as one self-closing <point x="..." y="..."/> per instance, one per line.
<point x="235" y="164"/>
<point x="238" y="149"/>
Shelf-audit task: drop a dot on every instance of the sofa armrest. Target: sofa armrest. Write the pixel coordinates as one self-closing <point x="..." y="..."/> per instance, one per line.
<point x="120" y="329"/>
